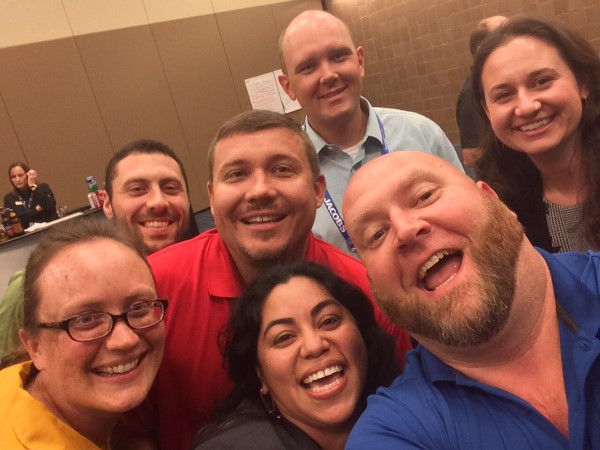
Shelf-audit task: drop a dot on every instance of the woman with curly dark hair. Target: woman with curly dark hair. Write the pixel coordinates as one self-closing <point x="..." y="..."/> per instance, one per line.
<point x="304" y="351"/>
<point x="538" y="84"/>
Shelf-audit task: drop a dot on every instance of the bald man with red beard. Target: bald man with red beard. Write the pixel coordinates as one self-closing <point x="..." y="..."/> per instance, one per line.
<point x="509" y="334"/>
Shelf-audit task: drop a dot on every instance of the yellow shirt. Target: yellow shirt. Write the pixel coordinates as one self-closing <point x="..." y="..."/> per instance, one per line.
<point x="25" y="423"/>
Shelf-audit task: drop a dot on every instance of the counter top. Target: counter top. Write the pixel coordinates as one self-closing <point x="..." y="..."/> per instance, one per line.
<point x="15" y="252"/>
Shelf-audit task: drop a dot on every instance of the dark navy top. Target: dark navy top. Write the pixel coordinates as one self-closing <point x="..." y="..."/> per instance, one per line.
<point x="431" y="406"/>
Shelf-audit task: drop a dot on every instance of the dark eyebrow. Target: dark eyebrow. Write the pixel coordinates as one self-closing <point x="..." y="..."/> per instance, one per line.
<point x="170" y="180"/>
<point x="322" y="305"/>
<point x="284" y="321"/>
<point x="229" y="164"/>
<point x="534" y="74"/>
<point x="135" y="180"/>
<point x="303" y="63"/>
<point x="313" y="312"/>
<point x="343" y="49"/>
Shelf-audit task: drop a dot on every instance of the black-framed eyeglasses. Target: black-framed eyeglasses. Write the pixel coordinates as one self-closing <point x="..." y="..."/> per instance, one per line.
<point x="96" y="325"/>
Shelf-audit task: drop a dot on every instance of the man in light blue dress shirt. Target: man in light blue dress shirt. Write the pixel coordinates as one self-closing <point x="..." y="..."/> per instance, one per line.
<point x="324" y="71"/>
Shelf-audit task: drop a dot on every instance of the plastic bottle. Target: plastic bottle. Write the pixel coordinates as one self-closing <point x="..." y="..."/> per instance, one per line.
<point x="3" y="235"/>
<point x="95" y="198"/>
<point x="91" y="183"/>
<point x="17" y="226"/>
<point x="7" y="224"/>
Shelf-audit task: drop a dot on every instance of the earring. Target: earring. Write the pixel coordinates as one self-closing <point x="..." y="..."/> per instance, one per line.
<point x="271" y="410"/>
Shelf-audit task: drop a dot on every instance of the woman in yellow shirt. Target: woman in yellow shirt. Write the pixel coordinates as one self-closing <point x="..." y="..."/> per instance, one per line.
<point x="93" y="331"/>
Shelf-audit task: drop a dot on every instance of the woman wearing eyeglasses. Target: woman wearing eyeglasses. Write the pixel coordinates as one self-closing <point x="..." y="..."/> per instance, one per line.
<point x="93" y="330"/>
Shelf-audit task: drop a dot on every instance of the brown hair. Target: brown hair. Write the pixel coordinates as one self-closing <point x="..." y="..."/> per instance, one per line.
<point x="57" y="239"/>
<point x="22" y="165"/>
<point x="258" y="120"/>
<point x="511" y="173"/>
<point x="143" y="147"/>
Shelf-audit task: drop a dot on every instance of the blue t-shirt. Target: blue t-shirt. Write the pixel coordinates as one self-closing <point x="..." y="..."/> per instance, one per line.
<point x="431" y="406"/>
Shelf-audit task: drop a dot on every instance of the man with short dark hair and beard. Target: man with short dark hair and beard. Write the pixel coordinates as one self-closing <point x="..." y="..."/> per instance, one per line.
<point x="147" y="194"/>
<point x="264" y="187"/>
<point x="509" y="354"/>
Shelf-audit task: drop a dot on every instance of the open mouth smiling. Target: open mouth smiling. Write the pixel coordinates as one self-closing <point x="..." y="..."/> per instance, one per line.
<point x="156" y="223"/>
<point x="323" y="380"/>
<point x="535" y="125"/>
<point x="439" y="269"/>
<point x="333" y="93"/>
<point x="120" y="369"/>
<point x="259" y="220"/>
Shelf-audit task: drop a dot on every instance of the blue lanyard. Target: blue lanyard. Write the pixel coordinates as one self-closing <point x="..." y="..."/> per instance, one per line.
<point x="330" y="204"/>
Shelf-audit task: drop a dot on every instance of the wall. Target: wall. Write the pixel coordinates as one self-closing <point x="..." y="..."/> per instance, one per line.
<point x="417" y="54"/>
<point x="81" y="78"/>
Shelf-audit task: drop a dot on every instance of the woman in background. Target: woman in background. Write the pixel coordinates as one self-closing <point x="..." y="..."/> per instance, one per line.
<point x="304" y="351"/>
<point x="538" y="83"/>
<point x="31" y="202"/>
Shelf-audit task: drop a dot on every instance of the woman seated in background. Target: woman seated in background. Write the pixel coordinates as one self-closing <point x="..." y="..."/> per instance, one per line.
<point x="31" y="202"/>
<point x="93" y="331"/>
<point x="538" y="83"/>
<point x="304" y="351"/>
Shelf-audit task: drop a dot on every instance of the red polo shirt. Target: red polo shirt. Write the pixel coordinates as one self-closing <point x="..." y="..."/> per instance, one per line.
<point x="200" y="280"/>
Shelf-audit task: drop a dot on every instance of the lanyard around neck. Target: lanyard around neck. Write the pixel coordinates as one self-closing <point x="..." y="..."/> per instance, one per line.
<point x="333" y="211"/>
<point x="28" y="204"/>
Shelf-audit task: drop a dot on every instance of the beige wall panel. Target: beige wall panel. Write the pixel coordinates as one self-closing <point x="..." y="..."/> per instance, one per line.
<point x="52" y="108"/>
<point x="250" y="38"/>
<point x="234" y="5"/>
<point x="132" y="92"/>
<point x="10" y="149"/>
<point x="284" y="12"/>
<point x="167" y="10"/>
<point x="203" y="89"/>
<point x="93" y="16"/>
<point x="27" y="21"/>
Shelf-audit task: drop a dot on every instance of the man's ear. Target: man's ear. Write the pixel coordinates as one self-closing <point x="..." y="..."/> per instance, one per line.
<point x="320" y="187"/>
<point x="487" y="189"/>
<point x="209" y="188"/>
<point x="284" y="81"/>
<point x="107" y="207"/>
<point x="360" y="54"/>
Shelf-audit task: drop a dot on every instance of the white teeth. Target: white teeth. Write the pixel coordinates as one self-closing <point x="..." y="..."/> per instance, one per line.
<point x="535" y="125"/>
<point x="156" y="224"/>
<point x="120" y="369"/>
<point x="332" y="94"/>
<point x="261" y="219"/>
<point x="326" y="387"/>
<point x="432" y="262"/>
<point x="322" y="374"/>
